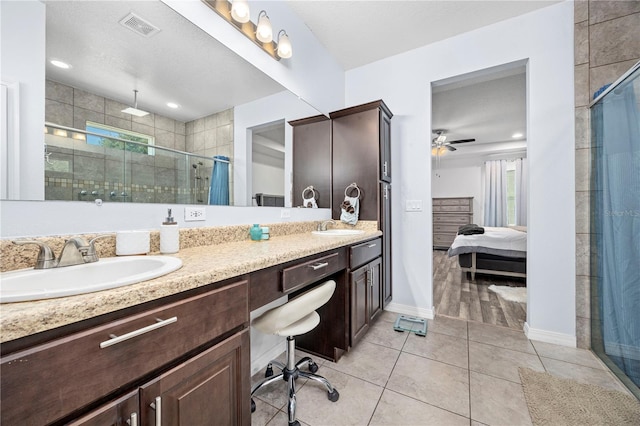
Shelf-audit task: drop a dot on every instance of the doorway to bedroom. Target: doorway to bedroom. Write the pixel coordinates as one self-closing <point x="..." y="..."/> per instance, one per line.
<point x="479" y="189"/>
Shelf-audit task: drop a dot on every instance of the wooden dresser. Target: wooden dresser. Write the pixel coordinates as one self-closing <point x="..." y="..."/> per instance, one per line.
<point x="448" y="215"/>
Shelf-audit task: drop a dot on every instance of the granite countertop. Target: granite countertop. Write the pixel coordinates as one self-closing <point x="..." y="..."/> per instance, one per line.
<point x="201" y="266"/>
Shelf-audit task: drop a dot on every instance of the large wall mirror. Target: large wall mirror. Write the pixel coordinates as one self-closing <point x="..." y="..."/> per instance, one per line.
<point x="144" y="55"/>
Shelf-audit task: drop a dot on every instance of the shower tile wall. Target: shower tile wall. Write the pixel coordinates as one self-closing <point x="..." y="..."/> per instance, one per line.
<point x="163" y="177"/>
<point x="607" y="44"/>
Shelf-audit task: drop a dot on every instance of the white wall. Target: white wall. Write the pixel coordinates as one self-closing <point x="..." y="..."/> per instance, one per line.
<point x="545" y="39"/>
<point x="22" y="62"/>
<point x="267" y="179"/>
<point x="281" y="106"/>
<point x="311" y="73"/>
<point x="460" y="182"/>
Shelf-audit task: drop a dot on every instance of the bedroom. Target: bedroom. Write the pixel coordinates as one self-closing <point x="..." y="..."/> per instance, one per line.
<point x="480" y="118"/>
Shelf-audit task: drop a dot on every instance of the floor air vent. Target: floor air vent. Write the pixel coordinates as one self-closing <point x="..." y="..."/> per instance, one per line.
<point x="139" y="25"/>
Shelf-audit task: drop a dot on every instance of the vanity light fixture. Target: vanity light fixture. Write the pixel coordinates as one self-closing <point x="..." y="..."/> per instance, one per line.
<point x="261" y="33"/>
<point x="134" y="110"/>
<point x="173" y="105"/>
<point x="284" y="45"/>
<point x="264" y="32"/>
<point x="240" y="11"/>
<point x="517" y="135"/>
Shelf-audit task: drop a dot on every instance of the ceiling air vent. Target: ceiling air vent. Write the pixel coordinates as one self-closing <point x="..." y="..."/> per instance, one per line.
<point x="139" y="25"/>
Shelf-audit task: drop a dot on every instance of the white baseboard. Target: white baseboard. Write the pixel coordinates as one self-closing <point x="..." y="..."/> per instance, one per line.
<point x="261" y="362"/>
<point x="550" y="336"/>
<point x="410" y="310"/>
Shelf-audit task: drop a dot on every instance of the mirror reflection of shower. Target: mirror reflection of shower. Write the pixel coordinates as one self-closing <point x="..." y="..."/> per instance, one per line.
<point x="200" y="183"/>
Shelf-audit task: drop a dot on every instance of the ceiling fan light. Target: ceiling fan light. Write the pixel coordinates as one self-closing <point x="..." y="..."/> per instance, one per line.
<point x="240" y="11"/>
<point x="284" y="45"/>
<point x="264" y="32"/>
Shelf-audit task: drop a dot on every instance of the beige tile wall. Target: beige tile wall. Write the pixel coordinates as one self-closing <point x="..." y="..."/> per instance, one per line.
<point x="607" y="44"/>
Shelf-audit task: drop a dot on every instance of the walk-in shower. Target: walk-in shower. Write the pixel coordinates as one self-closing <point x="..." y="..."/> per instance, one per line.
<point x="615" y="228"/>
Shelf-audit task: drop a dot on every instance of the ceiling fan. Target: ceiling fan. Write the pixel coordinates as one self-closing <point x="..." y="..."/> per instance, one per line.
<point x="439" y="142"/>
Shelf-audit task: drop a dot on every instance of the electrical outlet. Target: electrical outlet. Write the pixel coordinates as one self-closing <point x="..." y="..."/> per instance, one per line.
<point x="192" y="214"/>
<point x="285" y="213"/>
<point x="413" y="206"/>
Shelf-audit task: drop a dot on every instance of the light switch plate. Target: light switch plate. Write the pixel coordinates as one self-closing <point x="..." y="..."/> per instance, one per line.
<point x="413" y="205"/>
<point x="285" y="213"/>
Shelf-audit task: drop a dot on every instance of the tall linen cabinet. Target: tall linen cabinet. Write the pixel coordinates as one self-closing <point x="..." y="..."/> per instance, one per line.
<point x="359" y="142"/>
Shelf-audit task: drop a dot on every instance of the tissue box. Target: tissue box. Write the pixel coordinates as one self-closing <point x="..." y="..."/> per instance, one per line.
<point x="132" y="242"/>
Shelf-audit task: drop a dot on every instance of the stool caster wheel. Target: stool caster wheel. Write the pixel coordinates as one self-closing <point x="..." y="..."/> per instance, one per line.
<point x="296" y="423"/>
<point x="333" y="396"/>
<point x="253" y="405"/>
<point x="269" y="371"/>
<point x="313" y="367"/>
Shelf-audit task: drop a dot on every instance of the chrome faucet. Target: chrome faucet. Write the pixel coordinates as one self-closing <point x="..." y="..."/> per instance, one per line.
<point x="323" y="226"/>
<point x="76" y="251"/>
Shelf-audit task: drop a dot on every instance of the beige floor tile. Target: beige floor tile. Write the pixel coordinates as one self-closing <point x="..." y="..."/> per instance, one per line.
<point x="282" y="418"/>
<point x="263" y="414"/>
<point x="275" y="394"/>
<point x="383" y="334"/>
<point x="396" y="409"/>
<point x="579" y="373"/>
<point x="433" y="382"/>
<point x="564" y="353"/>
<point x="497" y="402"/>
<point x="358" y="400"/>
<point x="439" y="347"/>
<point x="477" y="423"/>
<point x="388" y="316"/>
<point x="499" y="362"/>
<point x="450" y="326"/>
<point x="367" y="361"/>
<point x="500" y="336"/>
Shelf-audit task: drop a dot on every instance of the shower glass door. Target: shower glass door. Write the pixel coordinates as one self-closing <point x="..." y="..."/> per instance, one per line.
<point x="615" y="229"/>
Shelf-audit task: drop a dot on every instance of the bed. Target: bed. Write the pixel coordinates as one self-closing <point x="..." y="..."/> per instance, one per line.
<point x="499" y="251"/>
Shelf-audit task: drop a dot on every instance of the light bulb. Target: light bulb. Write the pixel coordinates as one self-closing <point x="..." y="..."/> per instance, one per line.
<point x="264" y="33"/>
<point x="240" y="11"/>
<point x="284" y="45"/>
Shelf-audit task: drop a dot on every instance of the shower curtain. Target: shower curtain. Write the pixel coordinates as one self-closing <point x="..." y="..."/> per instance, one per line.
<point x="219" y="191"/>
<point x="616" y="148"/>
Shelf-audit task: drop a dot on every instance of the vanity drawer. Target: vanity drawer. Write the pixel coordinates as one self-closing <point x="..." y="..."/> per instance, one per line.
<point x="362" y="253"/>
<point x="310" y="271"/>
<point x="68" y="373"/>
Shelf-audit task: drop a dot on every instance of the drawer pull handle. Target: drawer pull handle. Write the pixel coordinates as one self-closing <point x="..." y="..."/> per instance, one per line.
<point x="117" y="339"/>
<point x="133" y="420"/>
<point x="371" y="245"/>
<point x="157" y="406"/>
<point x="319" y="266"/>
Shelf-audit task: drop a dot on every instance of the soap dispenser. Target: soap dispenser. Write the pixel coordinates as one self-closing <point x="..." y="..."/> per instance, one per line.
<point x="256" y="232"/>
<point x="169" y="235"/>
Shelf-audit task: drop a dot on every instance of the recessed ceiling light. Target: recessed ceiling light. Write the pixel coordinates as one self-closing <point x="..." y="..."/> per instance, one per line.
<point x="60" y="64"/>
<point x="172" y="105"/>
<point x="517" y="135"/>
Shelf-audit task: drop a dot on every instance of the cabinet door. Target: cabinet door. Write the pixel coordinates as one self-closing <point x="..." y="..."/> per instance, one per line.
<point x="312" y="160"/>
<point x="359" y="303"/>
<point x="375" y="288"/>
<point x="121" y="412"/>
<point x="386" y="244"/>
<point x="210" y="388"/>
<point x="385" y="147"/>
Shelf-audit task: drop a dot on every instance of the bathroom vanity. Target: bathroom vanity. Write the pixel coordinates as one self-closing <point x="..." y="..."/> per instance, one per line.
<point x="175" y="350"/>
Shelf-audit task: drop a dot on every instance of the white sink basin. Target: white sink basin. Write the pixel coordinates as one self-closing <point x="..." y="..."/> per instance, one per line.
<point x="338" y="232"/>
<point x="34" y="284"/>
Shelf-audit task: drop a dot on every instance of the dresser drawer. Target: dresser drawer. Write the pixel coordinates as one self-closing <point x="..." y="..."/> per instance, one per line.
<point x="68" y="373"/>
<point x="362" y="253"/>
<point x="454" y="202"/>
<point x="457" y="219"/>
<point x="443" y="239"/>
<point x="308" y="272"/>
<point x="445" y="229"/>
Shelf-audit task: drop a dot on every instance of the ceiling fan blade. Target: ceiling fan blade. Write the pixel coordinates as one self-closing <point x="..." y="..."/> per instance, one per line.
<point x="450" y="148"/>
<point x="463" y="141"/>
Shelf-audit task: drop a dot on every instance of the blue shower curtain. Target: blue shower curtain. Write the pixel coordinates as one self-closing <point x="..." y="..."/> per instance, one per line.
<point x="616" y="147"/>
<point x="219" y="191"/>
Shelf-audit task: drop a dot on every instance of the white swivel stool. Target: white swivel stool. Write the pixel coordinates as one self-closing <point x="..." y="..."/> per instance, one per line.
<point x="297" y="316"/>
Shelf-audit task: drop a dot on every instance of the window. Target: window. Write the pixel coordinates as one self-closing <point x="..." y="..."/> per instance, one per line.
<point x="127" y="135"/>
<point x="511" y="193"/>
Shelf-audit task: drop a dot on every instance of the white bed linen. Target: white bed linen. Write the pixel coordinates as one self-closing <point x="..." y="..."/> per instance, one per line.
<point x="496" y="238"/>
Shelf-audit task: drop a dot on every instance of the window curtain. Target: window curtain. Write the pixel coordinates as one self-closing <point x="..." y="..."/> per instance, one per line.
<point x="521" y="191"/>
<point x="495" y="193"/>
<point x="219" y="191"/>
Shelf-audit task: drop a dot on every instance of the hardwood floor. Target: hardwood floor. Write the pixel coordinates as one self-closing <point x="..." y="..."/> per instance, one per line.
<point x="454" y="295"/>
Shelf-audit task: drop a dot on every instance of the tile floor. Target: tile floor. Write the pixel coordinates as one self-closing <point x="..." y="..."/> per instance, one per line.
<point x="461" y="373"/>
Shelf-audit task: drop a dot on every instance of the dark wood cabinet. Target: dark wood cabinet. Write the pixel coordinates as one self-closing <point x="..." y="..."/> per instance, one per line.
<point x="387" y="288"/>
<point x="312" y="159"/>
<point x="124" y="411"/>
<point x="375" y="288"/>
<point x="365" y="283"/>
<point x="359" y="303"/>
